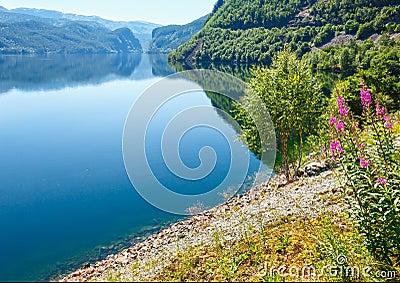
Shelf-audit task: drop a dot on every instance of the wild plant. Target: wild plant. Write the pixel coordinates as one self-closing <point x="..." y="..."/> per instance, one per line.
<point x="369" y="161"/>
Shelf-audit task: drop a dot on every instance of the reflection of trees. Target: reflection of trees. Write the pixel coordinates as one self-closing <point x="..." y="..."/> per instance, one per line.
<point x="218" y="100"/>
<point x="159" y="65"/>
<point x="59" y="71"/>
<point x="241" y="71"/>
<point x="226" y="94"/>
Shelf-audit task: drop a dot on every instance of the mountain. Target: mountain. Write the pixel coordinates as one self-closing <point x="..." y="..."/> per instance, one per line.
<point x="244" y="31"/>
<point x="141" y="30"/>
<point x="41" y="13"/>
<point x="168" y="38"/>
<point x="25" y="34"/>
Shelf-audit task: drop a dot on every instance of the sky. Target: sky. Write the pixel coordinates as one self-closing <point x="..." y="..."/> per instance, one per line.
<point x="163" y="12"/>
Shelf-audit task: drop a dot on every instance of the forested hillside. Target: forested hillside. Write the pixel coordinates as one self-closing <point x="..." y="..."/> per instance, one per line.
<point x="168" y="38"/>
<point x="249" y="31"/>
<point x="25" y="34"/>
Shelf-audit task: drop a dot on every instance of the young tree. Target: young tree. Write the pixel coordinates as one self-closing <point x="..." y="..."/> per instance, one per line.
<point x="293" y="98"/>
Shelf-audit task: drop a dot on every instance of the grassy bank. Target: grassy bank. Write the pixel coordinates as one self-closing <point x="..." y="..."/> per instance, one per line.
<point x="272" y="233"/>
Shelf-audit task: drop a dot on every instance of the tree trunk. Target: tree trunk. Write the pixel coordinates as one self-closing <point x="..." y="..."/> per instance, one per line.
<point x="285" y="156"/>
<point x="296" y="171"/>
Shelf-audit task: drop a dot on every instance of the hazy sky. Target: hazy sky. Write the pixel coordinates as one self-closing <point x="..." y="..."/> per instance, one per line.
<point x="156" y="11"/>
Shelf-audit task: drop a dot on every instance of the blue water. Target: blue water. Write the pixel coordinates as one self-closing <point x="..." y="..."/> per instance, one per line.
<point x="64" y="192"/>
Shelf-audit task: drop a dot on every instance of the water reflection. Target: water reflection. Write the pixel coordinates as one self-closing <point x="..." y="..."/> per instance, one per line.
<point x="241" y="71"/>
<point x="55" y="72"/>
<point x="160" y="66"/>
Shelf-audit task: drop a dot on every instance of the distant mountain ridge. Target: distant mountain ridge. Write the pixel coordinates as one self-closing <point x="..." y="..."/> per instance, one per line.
<point x="141" y="30"/>
<point x="244" y="31"/>
<point x="28" y="34"/>
<point x="168" y="38"/>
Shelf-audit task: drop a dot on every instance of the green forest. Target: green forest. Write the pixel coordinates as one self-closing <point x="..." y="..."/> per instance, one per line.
<point x="168" y="38"/>
<point x="242" y="31"/>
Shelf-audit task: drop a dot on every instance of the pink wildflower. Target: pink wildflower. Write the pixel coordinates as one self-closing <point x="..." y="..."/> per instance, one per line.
<point x="340" y="126"/>
<point x="336" y="148"/>
<point x="388" y="122"/>
<point x="360" y="146"/>
<point x="364" y="163"/>
<point x="365" y="98"/>
<point x="332" y="121"/>
<point x="381" y="181"/>
<point x="388" y="126"/>
<point x="380" y="112"/>
<point x="342" y="106"/>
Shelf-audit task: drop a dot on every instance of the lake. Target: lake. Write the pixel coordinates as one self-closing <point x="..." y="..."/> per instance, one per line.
<point x="65" y="196"/>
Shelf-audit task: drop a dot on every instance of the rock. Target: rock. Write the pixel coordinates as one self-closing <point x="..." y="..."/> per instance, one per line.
<point x="300" y="172"/>
<point x="90" y="270"/>
<point x="315" y="168"/>
<point x="120" y="259"/>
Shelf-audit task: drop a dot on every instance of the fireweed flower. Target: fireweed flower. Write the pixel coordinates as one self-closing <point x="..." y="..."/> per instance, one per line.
<point x="336" y="148"/>
<point x="388" y="126"/>
<point x="365" y="98"/>
<point x="381" y="181"/>
<point x="380" y="112"/>
<point x="364" y="163"/>
<point x="332" y="121"/>
<point x="340" y="126"/>
<point x="342" y="106"/>
<point x="388" y="122"/>
<point x="360" y="146"/>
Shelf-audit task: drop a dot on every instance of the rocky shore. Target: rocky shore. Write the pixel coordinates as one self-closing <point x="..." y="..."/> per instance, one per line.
<point x="314" y="193"/>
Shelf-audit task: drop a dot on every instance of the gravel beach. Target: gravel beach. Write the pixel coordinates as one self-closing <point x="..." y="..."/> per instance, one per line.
<point x="307" y="197"/>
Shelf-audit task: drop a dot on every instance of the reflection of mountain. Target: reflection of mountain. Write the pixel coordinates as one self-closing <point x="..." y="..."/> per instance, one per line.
<point x="160" y="66"/>
<point x="59" y="71"/>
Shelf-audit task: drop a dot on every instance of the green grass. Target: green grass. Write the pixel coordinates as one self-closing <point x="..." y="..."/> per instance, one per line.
<point x="285" y="250"/>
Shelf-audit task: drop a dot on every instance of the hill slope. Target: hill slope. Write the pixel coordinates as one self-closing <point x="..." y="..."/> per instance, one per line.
<point x="22" y="34"/>
<point x="141" y="30"/>
<point x="252" y="31"/>
<point x="168" y="38"/>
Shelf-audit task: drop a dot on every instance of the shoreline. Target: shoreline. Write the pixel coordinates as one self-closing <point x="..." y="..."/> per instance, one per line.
<point x="263" y="204"/>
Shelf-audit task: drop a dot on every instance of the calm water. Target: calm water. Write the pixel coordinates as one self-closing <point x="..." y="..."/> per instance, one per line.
<point x="64" y="192"/>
